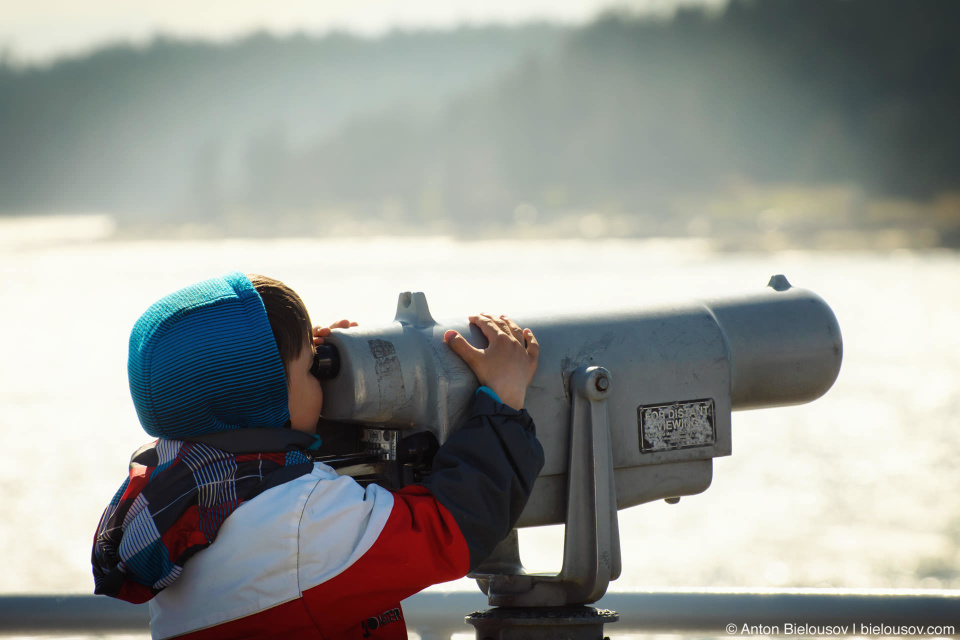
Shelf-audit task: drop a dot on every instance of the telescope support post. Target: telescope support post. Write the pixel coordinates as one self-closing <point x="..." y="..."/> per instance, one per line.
<point x="545" y="606"/>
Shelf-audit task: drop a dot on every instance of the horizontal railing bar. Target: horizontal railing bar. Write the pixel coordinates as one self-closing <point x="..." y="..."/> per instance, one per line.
<point x="711" y="611"/>
<point x="437" y="614"/>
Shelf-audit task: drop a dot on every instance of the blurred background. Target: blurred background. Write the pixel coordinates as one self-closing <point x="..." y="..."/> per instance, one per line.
<point x="764" y="123"/>
<point x="493" y="155"/>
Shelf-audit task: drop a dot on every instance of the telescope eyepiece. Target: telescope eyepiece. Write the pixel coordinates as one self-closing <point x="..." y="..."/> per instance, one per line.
<point x="326" y="362"/>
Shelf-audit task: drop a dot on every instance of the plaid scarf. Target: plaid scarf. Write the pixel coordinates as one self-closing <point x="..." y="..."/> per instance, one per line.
<point x="171" y="506"/>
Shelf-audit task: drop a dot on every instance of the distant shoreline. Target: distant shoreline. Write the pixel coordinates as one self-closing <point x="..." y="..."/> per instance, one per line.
<point x="36" y="230"/>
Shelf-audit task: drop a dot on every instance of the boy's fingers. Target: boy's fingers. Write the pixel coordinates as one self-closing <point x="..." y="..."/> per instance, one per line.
<point x="483" y="318"/>
<point x="533" y="347"/>
<point x="514" y="328"/>
<point x="461" y="347"/>
<point x="486" y="325"/>
<point x="502" y="325"/>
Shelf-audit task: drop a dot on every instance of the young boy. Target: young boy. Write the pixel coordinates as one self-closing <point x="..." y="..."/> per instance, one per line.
<point x="234" y="542"/>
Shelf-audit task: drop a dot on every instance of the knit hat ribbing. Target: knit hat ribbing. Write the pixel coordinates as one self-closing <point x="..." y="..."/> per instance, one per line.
<point x="204" y="359"/>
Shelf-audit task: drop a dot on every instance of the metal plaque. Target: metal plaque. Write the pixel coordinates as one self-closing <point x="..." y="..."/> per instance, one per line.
<point x="677" y="425"/>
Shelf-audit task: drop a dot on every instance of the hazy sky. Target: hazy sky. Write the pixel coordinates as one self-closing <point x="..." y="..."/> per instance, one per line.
<point x="39" y="30"/>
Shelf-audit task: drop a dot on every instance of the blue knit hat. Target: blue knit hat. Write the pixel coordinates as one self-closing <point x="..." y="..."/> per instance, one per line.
<point x="204" y="359"/>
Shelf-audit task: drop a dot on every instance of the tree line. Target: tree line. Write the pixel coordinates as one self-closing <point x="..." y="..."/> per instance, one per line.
<point x="618" y="115"/>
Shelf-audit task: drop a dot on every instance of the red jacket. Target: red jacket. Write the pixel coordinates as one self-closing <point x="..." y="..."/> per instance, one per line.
<point x="322" y="557"/>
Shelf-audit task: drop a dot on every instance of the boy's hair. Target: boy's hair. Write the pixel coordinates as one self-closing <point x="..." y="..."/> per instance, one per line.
<point x="288" y="317"/>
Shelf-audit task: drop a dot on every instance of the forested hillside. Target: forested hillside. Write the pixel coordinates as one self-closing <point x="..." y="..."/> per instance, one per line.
<point x="624" y="115"/>
<point x="182" y="124"/>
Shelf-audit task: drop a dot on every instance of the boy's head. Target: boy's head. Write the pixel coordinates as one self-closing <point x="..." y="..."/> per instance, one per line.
<point x="219" y="355"/>
<point x="293" y="333"/>
<point x="287" y="315"/>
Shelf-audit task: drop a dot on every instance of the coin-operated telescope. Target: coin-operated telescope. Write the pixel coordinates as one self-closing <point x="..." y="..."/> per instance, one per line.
<point x="630" y="407"/>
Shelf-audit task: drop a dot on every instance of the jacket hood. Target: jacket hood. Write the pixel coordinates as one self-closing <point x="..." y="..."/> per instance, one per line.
<point x="204" y="359"/>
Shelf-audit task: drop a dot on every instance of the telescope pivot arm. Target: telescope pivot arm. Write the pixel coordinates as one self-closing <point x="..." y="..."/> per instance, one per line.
<point x="591" y="548"/>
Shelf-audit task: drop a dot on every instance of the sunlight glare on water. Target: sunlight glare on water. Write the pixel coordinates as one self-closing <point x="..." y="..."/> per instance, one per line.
<point x="858" y="489"/>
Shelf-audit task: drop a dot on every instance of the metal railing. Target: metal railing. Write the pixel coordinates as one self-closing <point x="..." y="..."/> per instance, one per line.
<point x="715" y="612"/>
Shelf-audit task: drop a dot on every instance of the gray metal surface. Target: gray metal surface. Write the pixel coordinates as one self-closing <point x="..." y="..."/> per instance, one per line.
<point x="591" y="542"/>
<point x="779" y="346"/>
<point x="438" y="615"/>
<point x="780" y="354"/>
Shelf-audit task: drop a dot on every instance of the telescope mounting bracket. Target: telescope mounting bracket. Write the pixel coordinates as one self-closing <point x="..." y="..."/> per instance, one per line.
<point x="412" y="310"/>
<point x="591" y="545"/>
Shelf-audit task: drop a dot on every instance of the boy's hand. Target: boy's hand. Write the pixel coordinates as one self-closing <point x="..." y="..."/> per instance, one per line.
<point x="319" y="333"/>
<point x="507" y="364"/>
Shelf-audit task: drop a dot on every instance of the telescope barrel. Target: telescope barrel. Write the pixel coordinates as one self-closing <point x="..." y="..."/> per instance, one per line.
<point x="784" y="349"/>
<point x="676" y="373"/>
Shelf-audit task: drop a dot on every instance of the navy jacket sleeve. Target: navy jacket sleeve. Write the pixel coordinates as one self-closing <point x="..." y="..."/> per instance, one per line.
<point x="484" y="473"/>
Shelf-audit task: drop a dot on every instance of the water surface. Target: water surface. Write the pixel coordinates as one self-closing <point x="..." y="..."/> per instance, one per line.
<point x="858" y="489"/>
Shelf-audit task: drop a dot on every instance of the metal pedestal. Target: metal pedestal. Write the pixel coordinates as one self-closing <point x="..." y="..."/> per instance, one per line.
<point x="541" y="623"/>
<point x="530" y="606"/>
